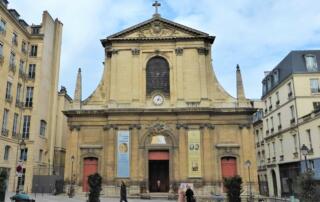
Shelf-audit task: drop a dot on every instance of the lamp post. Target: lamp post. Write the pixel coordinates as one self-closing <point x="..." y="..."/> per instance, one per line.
<point x="305" y="150"/>
<point x="19" y="169"/>
<point x="248" y="165"/>
<point x="71" y="191"/>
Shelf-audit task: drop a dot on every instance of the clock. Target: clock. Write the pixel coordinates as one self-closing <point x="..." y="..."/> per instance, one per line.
<point x="158" y="99"/>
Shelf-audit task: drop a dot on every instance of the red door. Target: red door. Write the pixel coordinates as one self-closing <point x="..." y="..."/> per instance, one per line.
<point x="90" y="166"/>
<point x="228" y="167"/>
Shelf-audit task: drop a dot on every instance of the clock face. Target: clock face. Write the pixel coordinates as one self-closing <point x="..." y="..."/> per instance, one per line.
<point x="158" y="99"/>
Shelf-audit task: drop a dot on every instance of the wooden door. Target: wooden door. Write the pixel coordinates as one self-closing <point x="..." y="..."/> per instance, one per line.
<point x="90" y="166"/>
<point x="228" y="167"/>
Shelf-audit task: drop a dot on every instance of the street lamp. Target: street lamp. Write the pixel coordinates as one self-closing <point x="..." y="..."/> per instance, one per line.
<point x="19" y="169"/>
<point x="71" y="191"/>
<point x="305" y="150"/>
<point x="248" y="165"/>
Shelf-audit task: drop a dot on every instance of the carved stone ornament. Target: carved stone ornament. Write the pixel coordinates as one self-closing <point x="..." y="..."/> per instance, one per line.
<point x="135" y="51"/>
<point x="203" y="51"/>
<point x="179" y="51"/>
<point x="158" y="128"/>
<point x="156" y="27"/>
<point x="182" y="125"/>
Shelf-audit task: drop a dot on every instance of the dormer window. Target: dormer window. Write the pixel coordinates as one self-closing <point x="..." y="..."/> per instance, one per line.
<point x="264" y="88"/>
<point x="269" y="82"/>
<point x="311" y="63"/>
<point x="276" y="76"/>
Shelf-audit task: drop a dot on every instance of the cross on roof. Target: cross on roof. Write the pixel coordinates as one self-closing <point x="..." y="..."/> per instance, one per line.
<point x="156" y="4"/>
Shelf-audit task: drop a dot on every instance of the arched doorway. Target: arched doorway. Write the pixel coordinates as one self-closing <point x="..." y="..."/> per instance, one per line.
<point x="157" y="76"/>
<point x="90" y="166"/>
<point x="274" y="182"/>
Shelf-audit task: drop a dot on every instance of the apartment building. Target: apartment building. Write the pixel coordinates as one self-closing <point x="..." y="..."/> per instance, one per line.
<point x="29" y="73"/>
<point x="289" y="120"/>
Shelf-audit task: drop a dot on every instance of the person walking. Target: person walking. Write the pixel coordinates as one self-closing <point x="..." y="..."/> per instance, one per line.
<point x="123" y="192"/>
<point x="190" y="195"/>
<point x="182" y="197"/>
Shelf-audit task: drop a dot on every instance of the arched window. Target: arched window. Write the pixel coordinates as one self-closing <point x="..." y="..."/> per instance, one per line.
<point x="157" y="76"/>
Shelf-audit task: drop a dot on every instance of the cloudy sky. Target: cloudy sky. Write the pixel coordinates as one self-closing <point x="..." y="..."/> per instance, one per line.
<point x="254" y="34"/>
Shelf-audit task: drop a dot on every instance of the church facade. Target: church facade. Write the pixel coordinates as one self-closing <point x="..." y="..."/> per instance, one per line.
<point x="159" y="118"/>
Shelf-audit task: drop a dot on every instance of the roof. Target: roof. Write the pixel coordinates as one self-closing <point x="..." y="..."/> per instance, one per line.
<point x="193" y="32"/>
<point x="293" y="63"/>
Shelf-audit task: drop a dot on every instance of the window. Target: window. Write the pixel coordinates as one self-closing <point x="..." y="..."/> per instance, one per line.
<point x="271" y="120"/>
<point x="5" y="122"/>
<point x="6" y="152"/>
<point x="32" y="71"/>
<point x="40" y="155"/>
<point x="264" y="88"/>
<point x="276" y="76"/>
<point x="43" y="125"/>
<point x="18" y="98"/>
<point x="34" y="50"/>
<point x="274" y="149"/>
<point x="281" y="146"/>
<point x="21" y="66"/>
<point x="12" y="59"/>
<point x="289" y="89"/>
<point x="311" y="63"/>
<point x="24" y="154"/>
<point x="8" y="90"/>
<point x="292" y="113"/>
<point x="157" y="76"/>
<point x="24" y="47"/>
<point x="269" y="150"/>
<point x="279" y="120"/>
<point x="15" y="39"/>
<point x="309" y="138"/>
<point x="26" y="127"/>
<point x="1" y="50"/>
<point x="295" y="143"/>
<point x="269" y="82"/>
<point x="278" y="98"/>
<point x="15" y="124"/>
<point x="29" y="97"/>
<point x="267" y="122"/>
<point x="314" y="85"/>
<point x="270" y="103"/>
<point x="316" y="105"/>
<point x="2" y="26"/>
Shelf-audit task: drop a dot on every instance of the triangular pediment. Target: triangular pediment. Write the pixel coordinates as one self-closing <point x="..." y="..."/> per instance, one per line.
<point x="157" y="28"/>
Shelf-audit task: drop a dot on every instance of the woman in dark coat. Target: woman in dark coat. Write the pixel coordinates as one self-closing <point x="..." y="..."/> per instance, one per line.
<point x="123" y="192"/>
<point x="189" y="195"/>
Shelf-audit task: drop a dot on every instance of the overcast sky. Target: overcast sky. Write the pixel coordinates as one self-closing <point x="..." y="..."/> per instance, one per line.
<point x="255" y="34"/>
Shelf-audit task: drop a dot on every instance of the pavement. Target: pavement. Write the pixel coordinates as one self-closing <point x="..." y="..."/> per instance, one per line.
<point x="65" y="198"/>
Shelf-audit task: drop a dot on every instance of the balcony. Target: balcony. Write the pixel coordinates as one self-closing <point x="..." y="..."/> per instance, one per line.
<point x="274" y="159"/>
<point x="278" y="102"/>
<point x="270" y="107"/>
<point x="9" y="98"/>
<point x="281" y="157"/>
<point x="268" y="160"/>
<point x="267" y="132"/>
<point x="12" y="67"/>
<point x="266" y="110"/>
<point x="279" y="127"/>
<point x="292" y="121"/>
<point x="28" y="104"/>
<point x="262" y="142"/>
<point x="22" y="74"/>
<point x="258" y="145"/>
<point x="31" y="76"/>
<point x="15" y="135"/>
<point x="272" y="130"/>
<point x="4" y="132"/>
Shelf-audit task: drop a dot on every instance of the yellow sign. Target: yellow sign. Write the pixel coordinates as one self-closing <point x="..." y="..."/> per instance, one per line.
<point x="194" y="153"/>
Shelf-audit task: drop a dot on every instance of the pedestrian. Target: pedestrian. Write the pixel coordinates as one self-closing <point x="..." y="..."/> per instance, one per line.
<point x="182" y="197"/>
<point x="158" y="185"/>
<point x="123" y="192"/>
<point x="190" y="195"/>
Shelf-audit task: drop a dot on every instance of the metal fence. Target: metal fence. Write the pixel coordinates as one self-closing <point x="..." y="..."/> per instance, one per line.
<point x="48" y="180"/>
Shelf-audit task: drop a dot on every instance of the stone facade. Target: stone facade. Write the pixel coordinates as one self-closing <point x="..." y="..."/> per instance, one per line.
<point x="195" y="102"/>
<point x="29" y="71"/>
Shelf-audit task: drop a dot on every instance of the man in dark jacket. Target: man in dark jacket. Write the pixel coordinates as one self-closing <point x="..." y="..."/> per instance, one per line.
<point x="123" y="192"/>
<point x="189" y="194"/>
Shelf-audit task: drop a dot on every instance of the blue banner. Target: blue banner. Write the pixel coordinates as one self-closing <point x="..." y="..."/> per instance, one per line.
<point x="123" y="168"/>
